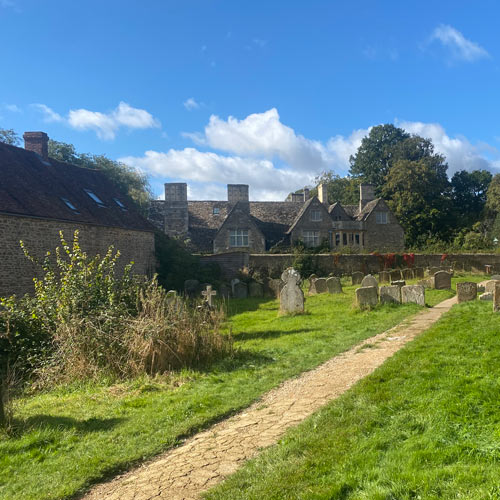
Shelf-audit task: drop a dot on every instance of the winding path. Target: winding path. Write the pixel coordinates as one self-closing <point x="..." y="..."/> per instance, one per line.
<point x="210" y="456"/>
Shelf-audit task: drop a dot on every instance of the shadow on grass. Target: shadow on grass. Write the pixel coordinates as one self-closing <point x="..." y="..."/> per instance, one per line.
<point x="237" y="306"/>
<point x="269" y="334"/>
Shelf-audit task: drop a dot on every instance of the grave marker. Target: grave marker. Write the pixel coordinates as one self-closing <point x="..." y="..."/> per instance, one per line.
<point x="208" y="293"/>
<point x="291" y="296"/>
<point x="466" y="291"/>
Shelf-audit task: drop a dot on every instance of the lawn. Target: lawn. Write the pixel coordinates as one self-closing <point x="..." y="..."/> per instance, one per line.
<point x="69" y="438"/>
<point x="425" y="425"/>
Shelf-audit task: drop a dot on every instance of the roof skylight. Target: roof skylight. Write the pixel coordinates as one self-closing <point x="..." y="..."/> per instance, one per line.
<point x="119" y="203"/>
<point x="70" y="205"/>
<point x="95" y="197"/>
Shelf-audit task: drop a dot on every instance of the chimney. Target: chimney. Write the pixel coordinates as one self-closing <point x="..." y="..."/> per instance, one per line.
<point x="237" y="192"/>
<point x="176" y="209"/>
<point x="366" y="194"/>
<point x="306" y="194"/>
<point x="37" y="142"/>
<point x="322" y="194"/>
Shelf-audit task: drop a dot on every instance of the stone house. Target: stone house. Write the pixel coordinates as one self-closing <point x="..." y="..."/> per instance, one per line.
<point x="40" y="196"/>
<point x="256" y="226"/>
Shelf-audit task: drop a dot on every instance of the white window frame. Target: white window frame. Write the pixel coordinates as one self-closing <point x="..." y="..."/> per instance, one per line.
<point x="238" y="238"/>
<point x="381" y="217"/>
<point x="316" y="215"/>
<point x="310" y="238"/>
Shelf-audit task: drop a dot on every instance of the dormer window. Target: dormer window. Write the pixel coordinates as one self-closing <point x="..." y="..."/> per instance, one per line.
<point x="96" y="198"/>
<point x="120" y="204"/>
<point x="316" y="215"/>
<point x="70" y="205"/>
<point x="216" y="211"/>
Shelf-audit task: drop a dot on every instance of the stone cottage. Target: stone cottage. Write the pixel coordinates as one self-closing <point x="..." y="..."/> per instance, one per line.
<point x="40" y="196"/>
<point x="256" y="226"/>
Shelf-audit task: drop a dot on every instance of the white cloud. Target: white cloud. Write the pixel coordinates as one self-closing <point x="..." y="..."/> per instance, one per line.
<point x="13" y="108"/>
<point x="105" y="125"/>
<point x="461" y="48"/>
<point x="191" y="104"/>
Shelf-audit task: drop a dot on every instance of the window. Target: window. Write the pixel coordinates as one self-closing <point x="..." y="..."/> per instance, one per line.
<point x="344" y="238"/>
<point x="95" y="197"/>
<point x="70" y="205"/>
<point x="381" y="217"/>
<point x="316" y="215"/>
<point x="238" y="237"/>
<point x="337" y="239"/>
<point x="216" y="211"/>
<point x="356" y="236"/>
<point x="351" y="238"/>
<point x="311" y="238"/>
<point x="120" y="204"/>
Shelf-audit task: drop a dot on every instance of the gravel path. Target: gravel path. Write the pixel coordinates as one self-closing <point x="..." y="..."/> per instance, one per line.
<point x="210" y="456"/>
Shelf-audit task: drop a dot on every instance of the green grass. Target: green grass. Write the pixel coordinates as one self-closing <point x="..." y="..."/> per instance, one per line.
<point x="425" y="425"/>
<point x="67" y="439"/>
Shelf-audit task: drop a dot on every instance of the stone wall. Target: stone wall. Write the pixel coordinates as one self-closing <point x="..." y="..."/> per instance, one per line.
<point x="40" y="236"/>
<point x="230" y="263"/>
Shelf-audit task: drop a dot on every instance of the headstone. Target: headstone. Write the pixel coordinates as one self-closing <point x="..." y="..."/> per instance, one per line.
<point x="414" y="294"/>
<point x="496" y="297"/>
<point x="366" y="297"/>
<point x="466" y="291"/>
<point x="333" y="285"/>
<point x="191" y="287"/>
<point x="384" y="277"/>
<point x="320" y="285"/>
<point x="225" y="291"/>
<point x="426" y="283"/>
<point x="255" y="289"/>
<point x="313" y="277"/>
<point x="418" y="272"/>
<point x="399" y="283"/>
<point x="486" y="296"/>
<point x="240" y="290"/>
<point x="407" y="274"/>
<point x="312" y="287"/>
<point x="234" y="281"/>
<point x="174" y="302"/>
<point x="442" y="280"/>
<point x="357" y="278"/>
<point x="369" y="280"/>
<point x="395" y="275"/>
<point x="487" y="269"/>
<point x="489" y="286"/>
<point x="390" y="294"/>
<point x="434" y="270"/>
<point x="208" y="293"/>
<point x="495" y="277"/>
<point x="274" y="287"/>
<point x="291" y="297"/>
<point x="171" y="295"/>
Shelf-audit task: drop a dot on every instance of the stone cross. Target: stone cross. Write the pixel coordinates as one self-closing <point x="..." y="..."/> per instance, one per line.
<point x="208" y="294"/>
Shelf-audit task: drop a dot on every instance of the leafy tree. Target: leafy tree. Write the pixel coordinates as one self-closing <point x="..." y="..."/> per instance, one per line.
<point x="376" y="154"/>
<point x="128" y="179"/>
<point x="342" y="189"/>
<point x="9" y="136"/>
<point x="493" y="195"/>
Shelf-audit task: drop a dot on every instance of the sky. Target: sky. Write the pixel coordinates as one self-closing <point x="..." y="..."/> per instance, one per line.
<point x="265" y="93"/>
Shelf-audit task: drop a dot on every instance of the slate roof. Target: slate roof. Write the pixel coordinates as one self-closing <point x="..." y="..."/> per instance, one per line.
<point x="30" y="186"/>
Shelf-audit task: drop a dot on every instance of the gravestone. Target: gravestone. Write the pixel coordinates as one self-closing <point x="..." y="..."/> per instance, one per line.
<point x="291" y="296"/>
<point x="357" y="278"/>
<point x="174" y="302"/>
<point x="234" y="281"/>
<point x="240" y="290"/>
<point x="434" y="270"/>
<point x="333" y="285"/>
<point x="274" y="287"/>
<point x="442" y="280"/>
<point x="312" y="277"/>
<point x="395" y="275"/>
<point x="407" y="274"/>
<point x="418" y="272"/>
<point x="225" y="291"/>
<point x="255" y="289"/>
<point x="495" y="277"/>
<point x="208" y="293"/>
<point x="320" y="285"/>
<point x="426" y="283"/>
<point x="487" y="268"/>
<point x="414" y="294"/>
<point x="384" y="277"/>
<point x="390" y="294"/>
<point x="496" y="297"/>
<point x="399" y="283"/>
<point x="486" y="296"/>
<point x="191" y="287"/>
<point x="366" y="297"/>
<point x="466" y="291"/>
<point x="312" y="287"/>
<point x="489" y="286"/>
<point x="171" y="295"/>
<point x="369" y="280"/>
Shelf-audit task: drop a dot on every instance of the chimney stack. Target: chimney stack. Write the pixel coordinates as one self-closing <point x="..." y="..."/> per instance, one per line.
<point x="38" y="142"/>
<point x="323" y="194"/>
<point x="306" y="194"/>
<point x="366" y="194"/>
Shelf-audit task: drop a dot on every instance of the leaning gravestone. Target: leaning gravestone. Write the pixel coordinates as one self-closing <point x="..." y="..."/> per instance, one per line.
<point x="255" y="289"/>
<point x="496" y="297"/>
<point x="333" y="285"/>
<point x="366" y="297"/>
<point x="414" y="294"/>
<point x="395" y="275"/>
<point x="442" y="280"/>
<point x="418" y="272"/>
<point x="320" y="285"/>
<point x="407" y="274"/>
<point x="466" y="291"/>
<point x="357" y="278"/>
<point x="384" y="277"/>
<point x="390" y="294"/>
<point x="240" y="290"/>
<point x="369" y="280"/>
<point x="191" y="287"/>
<point x="291" y="297"/>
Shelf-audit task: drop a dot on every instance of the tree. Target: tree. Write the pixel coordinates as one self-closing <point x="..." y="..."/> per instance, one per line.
<point x="128" y="179"/>
<point x="9" y="136"/>
<point x="376" y="154"/>
<point x="342" y="189"/>
<point x="493" y="195"/>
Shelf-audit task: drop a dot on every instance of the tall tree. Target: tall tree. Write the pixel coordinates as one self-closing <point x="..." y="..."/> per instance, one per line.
<point x="342" y="189"/>
<point x="9" y="136"/>
<point x="493" y="195"/>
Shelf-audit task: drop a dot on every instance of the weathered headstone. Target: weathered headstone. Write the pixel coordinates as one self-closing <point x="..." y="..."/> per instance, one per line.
<point x="466" y="291"/>
<point x="414" y="294"/>
<point x="495" y="277"/>
<point x="171" y="295"/>
<point x="366" y="296"/>
<point x="399" y="283"/>
<point x="369" y="280"/>
<point x="312" y="277"/>
<point x="434" y="270"/>
<point x="320" y="285"/>
<point x="225" y="291"/>
<point x="291" y="296"/>
<point x="426" y="283"/>
<point x="274" y="287"/>
<point x="255" y="289"/>
<point x="496" y="297"/>
<point x="390" y="294"/>
<point x="208" y="293"/>
<point x="418" y="272"/>
<point x="442" y="280"/>
<point x="384" y="277"/>
<point x="357" y="278"/>
<point x="191" y="287"/>
<point x="407" y="274"/>
<point x="240" y="290"/>
<point x="486" y="296"/>
<point x="234" y="281"/>
<point x="489" y="286"/>
<point x="174" y="302"/>
<point x="333" y="285"/>
<point x="395" y="275"/>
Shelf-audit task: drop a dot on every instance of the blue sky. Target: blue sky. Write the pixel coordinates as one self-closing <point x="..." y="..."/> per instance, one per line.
<point x="266" y="93"/>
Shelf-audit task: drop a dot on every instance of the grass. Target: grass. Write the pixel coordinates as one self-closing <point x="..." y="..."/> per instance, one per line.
<point x="71" y="437"/>
<point x="425" y="425"/>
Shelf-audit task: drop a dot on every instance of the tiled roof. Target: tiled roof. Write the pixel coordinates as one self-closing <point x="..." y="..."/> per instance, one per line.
<point x="367" y="209"/>
<point x="30" y="186"/>
<point x="351" y="210"/>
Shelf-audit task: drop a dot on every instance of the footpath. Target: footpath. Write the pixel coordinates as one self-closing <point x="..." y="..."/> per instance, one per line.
<point x="210" y="456"/>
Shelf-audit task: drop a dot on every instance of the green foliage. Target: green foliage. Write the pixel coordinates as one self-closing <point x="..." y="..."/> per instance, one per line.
<point x="342" y="189"/>
<point x="493" y="195"/>
<point x="9" y="136"/>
